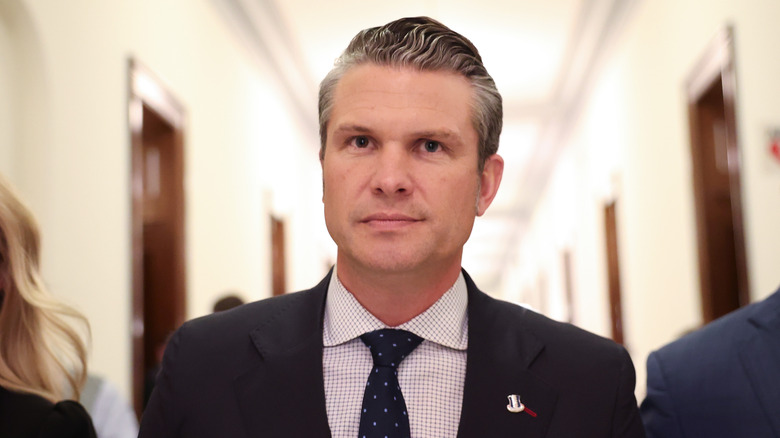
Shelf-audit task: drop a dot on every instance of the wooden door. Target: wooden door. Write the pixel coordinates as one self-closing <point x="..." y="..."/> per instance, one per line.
<point x="613" y="272"/>
<point x="716" y="181"/>
<point x="279" y="285"/>
<point x="159" y="290"/>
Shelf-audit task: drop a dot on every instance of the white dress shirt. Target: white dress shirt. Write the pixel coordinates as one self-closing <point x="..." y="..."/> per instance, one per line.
<point x="431" y="377"/>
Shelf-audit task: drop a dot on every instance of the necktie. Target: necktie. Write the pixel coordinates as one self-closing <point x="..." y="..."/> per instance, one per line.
<point x="384" y="411"/>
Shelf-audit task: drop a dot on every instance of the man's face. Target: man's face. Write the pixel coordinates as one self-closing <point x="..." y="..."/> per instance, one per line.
<point x="400" y="182"/>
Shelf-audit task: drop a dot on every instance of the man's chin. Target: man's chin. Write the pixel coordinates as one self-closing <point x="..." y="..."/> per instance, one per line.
<point x="389" y="261"/>
<point x="392" y="266"/>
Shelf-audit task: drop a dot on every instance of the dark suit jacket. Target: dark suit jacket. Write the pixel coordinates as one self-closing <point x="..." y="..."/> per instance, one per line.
<point x="720" y="381"/>
<point x="31" y="416"/>
<point x="256" y="371"/>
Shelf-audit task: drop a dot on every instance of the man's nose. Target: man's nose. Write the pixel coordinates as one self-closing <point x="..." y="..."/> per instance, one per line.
<point x="392" y="173"/>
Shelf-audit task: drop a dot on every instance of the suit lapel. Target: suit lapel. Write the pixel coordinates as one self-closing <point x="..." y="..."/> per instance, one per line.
<point x="500" y="352"/>
<point x="760" y="357"/>
<point x="282" y="393"/>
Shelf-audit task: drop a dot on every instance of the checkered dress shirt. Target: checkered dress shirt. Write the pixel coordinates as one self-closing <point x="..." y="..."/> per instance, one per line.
<point x="431" y="377"/>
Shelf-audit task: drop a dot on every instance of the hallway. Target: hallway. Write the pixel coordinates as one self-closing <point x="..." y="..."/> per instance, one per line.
<point x="607" y="136"/>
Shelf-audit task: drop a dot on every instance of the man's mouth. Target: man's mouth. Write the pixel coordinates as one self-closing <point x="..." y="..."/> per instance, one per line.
<point x="389" y="220"/>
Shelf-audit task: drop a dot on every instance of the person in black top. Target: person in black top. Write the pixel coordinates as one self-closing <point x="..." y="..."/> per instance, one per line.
<point x="42" y="357"/>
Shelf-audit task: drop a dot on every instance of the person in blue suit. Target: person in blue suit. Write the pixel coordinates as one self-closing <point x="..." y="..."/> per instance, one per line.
<point x="720" y="381"/>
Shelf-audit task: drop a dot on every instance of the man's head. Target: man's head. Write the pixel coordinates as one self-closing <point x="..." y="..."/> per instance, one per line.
<point x="408" y="159"/>
<point x="423" y="44"/>
<point x="227" y="302"/>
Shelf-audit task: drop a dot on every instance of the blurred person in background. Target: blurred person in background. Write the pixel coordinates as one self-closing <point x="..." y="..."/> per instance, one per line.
<point x="111" y="413"/>
<point x="722" y="380"/>
<point x="227" y="302"/>
<point x="42" y="357"/>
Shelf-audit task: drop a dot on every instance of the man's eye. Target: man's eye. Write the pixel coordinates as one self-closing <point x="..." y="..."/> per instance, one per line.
<point x="431" y="146"/>
<point x="360" y="141"/>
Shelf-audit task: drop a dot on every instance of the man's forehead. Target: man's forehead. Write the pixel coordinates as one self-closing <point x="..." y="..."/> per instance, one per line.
<point x="401" y="87"/>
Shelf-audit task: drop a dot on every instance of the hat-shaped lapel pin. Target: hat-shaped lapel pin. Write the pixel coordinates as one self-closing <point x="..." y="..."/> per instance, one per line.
<point x="516" y="406"/>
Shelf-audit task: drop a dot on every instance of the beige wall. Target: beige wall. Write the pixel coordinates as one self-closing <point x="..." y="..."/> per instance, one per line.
<point x="245" y="157"/>
<point x="630" y="143"/>
<point x="7" y="77"/>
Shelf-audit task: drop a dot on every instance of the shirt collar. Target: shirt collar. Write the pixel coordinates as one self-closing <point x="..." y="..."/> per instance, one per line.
<point x="445" y="322"/>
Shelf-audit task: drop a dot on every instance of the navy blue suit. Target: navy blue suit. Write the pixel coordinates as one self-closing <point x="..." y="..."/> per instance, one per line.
<point x="256" y="371"/>
<point x="720" y="381"/>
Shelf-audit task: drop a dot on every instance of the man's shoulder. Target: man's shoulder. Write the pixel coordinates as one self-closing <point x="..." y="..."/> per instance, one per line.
<point x="721" y="335"/>
<point x="561" y="339"/>
<point x="264" y="310"/>
<point x="567" y="335"/>
<point x="560" y="342"/>
<point x="273" y="314"/>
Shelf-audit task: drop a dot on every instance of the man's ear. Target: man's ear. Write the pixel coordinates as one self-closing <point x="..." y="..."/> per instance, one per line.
<point x="490" y="179"/>
<point x="322" y="174"/>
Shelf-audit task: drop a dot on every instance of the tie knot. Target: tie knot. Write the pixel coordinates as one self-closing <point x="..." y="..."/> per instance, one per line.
<point x="390" y="346"/>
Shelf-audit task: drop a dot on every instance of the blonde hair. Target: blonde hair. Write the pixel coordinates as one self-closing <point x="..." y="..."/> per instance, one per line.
<point x="40" y="352"/>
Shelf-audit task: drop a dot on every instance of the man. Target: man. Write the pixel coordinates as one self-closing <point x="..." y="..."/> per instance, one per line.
<point x="227" y="302"/>
<point x="720" y="381"/>
<point x="409" y="123"/>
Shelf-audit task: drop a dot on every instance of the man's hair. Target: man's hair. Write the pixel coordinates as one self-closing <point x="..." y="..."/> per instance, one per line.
<point x="424" y="44"/>
<point x="227" y="302"/>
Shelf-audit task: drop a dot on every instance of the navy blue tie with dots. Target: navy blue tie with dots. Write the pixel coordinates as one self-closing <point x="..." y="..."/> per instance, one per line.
<point x="384" y="410"/>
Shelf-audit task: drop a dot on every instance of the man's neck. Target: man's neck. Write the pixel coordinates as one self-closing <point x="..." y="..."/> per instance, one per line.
<point x="396" y="297"/>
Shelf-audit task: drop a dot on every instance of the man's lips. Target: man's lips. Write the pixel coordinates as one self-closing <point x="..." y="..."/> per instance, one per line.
<point x="389" y="220"/>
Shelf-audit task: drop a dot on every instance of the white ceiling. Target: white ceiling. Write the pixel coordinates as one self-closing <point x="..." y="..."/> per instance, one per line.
<point x="540" y="53"/>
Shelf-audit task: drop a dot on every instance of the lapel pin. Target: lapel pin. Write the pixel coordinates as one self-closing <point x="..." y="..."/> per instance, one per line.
<point x="516" y="406"/>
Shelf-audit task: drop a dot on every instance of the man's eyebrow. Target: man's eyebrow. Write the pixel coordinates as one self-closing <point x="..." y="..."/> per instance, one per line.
<point x="350" y="128"/>
<point x="441" y="133"/>
<point x="444" y="133"/>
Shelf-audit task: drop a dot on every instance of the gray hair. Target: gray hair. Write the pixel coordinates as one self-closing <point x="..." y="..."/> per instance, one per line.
<point x="427" y="45"/>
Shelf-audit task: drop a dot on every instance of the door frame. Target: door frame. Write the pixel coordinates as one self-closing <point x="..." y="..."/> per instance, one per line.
<point x="717" y="63"/>
<point x="147" y="92"/>
<point x="613" y="271"/>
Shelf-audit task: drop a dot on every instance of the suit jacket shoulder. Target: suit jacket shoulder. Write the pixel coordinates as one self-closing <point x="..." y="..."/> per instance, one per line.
<point x="241" y="372"/>
<point x="284" y="320"/>
<point x="556" y="368"/>
<point x="28" y="415"/>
